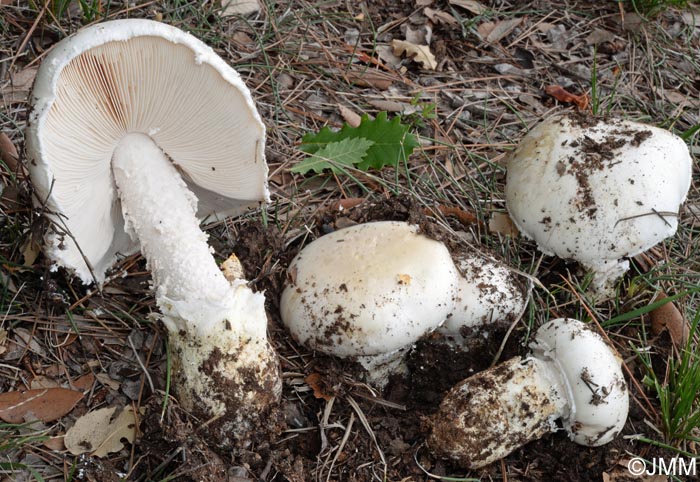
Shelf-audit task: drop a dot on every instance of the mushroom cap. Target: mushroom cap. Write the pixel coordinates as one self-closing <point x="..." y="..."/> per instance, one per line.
<point x="489" y="294"/>
<point x="597" y="190"/>
<point x="592" y="373"/>
<point x="368" y="289"/>
<point x="136" y="76"/>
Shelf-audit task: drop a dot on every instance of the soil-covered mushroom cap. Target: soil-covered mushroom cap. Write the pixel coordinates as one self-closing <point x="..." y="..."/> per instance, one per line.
<point x="127" y="77"/>
<point x="598" y="397"/>
<point x="489" y="295"/>
<point x="368" y="289"/>
<point x="597" y="190"/>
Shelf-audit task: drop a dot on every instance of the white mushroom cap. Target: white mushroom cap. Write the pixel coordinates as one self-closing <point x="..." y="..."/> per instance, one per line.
<point x="368" y="289"/>
<point x="137" y="76"/>
<point x="598" y="401"/>
<point x="597" y="190"/>
<point x="488" y="294"/>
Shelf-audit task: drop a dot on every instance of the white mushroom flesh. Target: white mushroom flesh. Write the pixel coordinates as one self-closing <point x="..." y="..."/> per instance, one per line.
<point x="130" y="117"/>
<point x="160" y="214"/>
<point x="597" y="191"/>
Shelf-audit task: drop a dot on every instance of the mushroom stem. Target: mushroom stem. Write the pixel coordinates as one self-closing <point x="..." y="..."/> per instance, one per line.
<point x="160" y="212"/>
<point x="223" y="363"/>
<point x="494" y="412"/>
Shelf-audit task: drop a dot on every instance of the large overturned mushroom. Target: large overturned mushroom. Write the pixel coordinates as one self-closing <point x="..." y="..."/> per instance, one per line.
<point x="597" y="190"/>
<point x="138" y="131"/>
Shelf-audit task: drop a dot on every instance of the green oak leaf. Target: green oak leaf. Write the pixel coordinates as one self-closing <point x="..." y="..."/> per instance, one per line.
<point x="392" y="143"/>
<point x="335" y="156"/>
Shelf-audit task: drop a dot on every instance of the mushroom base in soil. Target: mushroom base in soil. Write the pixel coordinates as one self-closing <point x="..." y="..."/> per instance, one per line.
<point x="224" y="368"/>
<point x="571" y="376"/>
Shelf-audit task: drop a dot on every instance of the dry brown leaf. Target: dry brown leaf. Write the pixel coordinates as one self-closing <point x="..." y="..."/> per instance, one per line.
<point x="347" y="203"/>
<point x="315" y="381"/>
<point x="386" y="55"/>
<point x="438" y="16"/>
<point x="350" y="116"/>
<point x="30" y="251"/>
<point x="668" y="317"/>
<point x="500" y="223"/>
<point x="25" y="340"/>
<point x="418" y="34"/>
<point x="55" y="443"/>
<point x="47" y="404"/>
<point x="239" y="7"/>
<point x="493" y="33"/>
<point x="101" y="432"/>
<point x="485" y="28"/>
<point x="473" y="6"/>
<point x="599" y="35"/>
<point x="232" y="268"/>
<point x="675" y="97"/>
<point x="243" y="38"/>
<point x="41" y="381"/>
<point x="105" y="380"/>
<point x="562" y="95"/>
<point x="419" y="53"/>
<point x="17" y="90"/>
<point x="371" y="78"/>
<point x="85" y="382"/>
<point x="8" y="152"/>
<point x="464" y="217"/>
<point x="388" y="105"/>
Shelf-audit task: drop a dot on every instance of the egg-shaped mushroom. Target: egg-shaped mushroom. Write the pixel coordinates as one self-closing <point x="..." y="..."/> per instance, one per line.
<point x="369" y="291"/>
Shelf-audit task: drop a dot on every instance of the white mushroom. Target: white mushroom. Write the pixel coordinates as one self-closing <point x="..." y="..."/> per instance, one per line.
<point x="489" y="297"/>
<point x="133" y="123"/>
<point x="369" y="291"/>
<point x="571" y="375"/>
<point x="597" y="190"/>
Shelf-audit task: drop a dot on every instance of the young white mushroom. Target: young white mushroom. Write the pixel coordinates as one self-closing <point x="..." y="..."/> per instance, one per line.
<point x="489" y="297"/>
<point x="138" y="131"/>
<point x="597" y="190"/>
<point x="571" y="375"/>
<point x="369" y="291"/>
